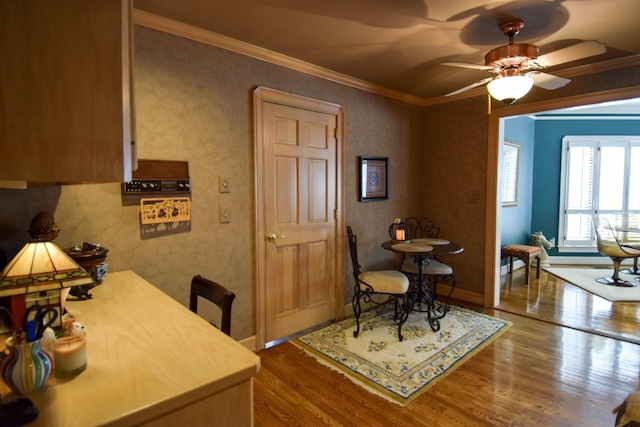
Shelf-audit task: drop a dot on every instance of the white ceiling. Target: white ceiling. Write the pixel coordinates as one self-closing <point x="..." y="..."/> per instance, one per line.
<point x="621" y="108"/>
<point x="400" y="44"/>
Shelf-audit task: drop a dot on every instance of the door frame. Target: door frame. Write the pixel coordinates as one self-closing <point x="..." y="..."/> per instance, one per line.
<point x="493" y="206"/>
<point x="260" y="96"/>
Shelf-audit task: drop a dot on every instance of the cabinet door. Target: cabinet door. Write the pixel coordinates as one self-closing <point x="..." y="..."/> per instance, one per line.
<point x="65" y="91"/>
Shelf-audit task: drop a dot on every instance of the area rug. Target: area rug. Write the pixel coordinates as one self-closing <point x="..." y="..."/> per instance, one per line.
<point x="401" y="371"/>
<point x="585" y="278"/>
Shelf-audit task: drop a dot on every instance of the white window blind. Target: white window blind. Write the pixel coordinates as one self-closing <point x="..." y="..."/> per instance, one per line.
<point x="510" y="172"/>
<point x="599" y="175"/>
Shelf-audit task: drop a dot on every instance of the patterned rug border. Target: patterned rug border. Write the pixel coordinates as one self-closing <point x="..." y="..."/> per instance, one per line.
<point x="374" y="388"/>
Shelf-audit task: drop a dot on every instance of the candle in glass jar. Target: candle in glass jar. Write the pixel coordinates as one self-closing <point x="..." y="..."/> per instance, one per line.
<point x="70" y="354"/>
<point x="399" y="234"/>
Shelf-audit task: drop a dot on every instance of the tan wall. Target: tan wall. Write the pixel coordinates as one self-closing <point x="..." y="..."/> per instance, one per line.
<point x="194" y="103"/>
<point x="454" y="182"/>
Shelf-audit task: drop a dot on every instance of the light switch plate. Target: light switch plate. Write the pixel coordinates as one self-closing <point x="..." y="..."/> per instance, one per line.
<point x="225" y="215"/>
<point x="225" y="186"/>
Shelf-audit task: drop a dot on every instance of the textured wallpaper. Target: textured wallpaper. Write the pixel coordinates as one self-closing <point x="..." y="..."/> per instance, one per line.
<point x="194" y="103"/>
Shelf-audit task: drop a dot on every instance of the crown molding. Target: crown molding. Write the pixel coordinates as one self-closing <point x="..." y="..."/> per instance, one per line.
<point x="181" y="29"/>
<point x="589" y="117"/>
<point x="567" y="102"/>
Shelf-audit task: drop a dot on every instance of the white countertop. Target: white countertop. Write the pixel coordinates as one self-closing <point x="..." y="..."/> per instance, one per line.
<point x="147" y="355"/>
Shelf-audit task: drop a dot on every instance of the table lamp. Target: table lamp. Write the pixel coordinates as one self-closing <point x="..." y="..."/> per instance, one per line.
<point x="39" y="270"/>
<point x="40" y="267"/>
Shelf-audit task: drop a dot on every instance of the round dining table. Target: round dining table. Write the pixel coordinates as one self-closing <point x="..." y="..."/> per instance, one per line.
<point x="422" y="298"/>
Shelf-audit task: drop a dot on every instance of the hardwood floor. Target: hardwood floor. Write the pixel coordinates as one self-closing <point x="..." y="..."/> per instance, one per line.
<point x="551" y="299"/>
<point x="537" y="373"/>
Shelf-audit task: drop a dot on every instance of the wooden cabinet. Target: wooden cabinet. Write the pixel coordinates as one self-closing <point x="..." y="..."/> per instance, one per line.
<point x="66" y="91"/>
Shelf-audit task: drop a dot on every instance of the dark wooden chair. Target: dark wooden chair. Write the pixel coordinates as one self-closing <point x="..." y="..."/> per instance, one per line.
<point x="217" y="294"/>
<point x="378" y="288"/>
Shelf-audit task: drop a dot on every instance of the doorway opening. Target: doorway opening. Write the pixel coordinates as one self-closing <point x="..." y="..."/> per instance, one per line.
<point x="494" y="205"/>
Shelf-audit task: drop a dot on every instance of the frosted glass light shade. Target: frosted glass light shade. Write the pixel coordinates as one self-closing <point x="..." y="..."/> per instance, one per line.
<point x="41" y="266"/>
<point x="509" y="89"/>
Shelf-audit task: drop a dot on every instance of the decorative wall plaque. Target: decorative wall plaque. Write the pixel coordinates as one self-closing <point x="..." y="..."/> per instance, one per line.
<point x="157" y="211"/>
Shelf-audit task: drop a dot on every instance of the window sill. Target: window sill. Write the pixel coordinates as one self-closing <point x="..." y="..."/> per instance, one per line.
<point x="578" y="249"/>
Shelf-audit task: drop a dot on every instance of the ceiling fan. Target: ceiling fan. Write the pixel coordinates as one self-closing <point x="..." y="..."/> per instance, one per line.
<point x="518" y="66"/>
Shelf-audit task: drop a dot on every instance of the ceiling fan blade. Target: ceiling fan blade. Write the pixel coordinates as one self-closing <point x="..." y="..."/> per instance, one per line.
<point x="571" y="53"/>
<point x="467" y="65"/>
<point x="548" y="81"/>
<point x="471" y="86"/>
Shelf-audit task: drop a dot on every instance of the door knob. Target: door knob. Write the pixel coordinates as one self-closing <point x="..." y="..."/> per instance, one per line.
<point x="272" y="237"/>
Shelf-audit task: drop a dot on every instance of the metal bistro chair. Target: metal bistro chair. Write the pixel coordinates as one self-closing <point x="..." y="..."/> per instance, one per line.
<point x="435" y="271"/>
<point x="217" y="294"/>
<point x="609" y="245"/>
<point x="421" y="227"/>
<point x="391" y="285"/>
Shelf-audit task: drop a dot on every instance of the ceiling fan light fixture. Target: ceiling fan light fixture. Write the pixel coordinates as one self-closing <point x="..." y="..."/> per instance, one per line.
<point x="509" y="89"/>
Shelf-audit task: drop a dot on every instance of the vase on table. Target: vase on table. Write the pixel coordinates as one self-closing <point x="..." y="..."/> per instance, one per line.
<point x="27" y="366"/>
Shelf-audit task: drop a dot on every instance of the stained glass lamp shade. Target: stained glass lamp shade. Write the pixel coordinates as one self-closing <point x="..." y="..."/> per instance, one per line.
<point x="41" y="266"/>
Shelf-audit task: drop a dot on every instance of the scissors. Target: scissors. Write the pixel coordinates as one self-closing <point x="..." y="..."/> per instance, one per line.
<point x="36" y="320"/>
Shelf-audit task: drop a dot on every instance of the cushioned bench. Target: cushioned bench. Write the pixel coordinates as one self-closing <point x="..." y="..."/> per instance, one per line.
<point x="524" y="252"/>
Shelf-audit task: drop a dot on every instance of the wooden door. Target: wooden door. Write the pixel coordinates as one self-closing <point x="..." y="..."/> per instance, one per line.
<point x="299" y="171"/>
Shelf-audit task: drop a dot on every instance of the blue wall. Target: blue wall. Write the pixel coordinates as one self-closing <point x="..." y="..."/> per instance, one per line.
<point x="540" y="162"/>
<point x="516" y="220"/>
<point x="547" y="157"/>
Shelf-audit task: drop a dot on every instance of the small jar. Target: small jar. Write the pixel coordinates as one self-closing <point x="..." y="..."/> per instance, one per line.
<point x="70" y="354"/>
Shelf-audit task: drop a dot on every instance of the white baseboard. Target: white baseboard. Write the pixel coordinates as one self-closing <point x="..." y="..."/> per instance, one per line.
<point x="517" y="264"/>
<point x="585" y="260"/>
<point x="568" y="260"/>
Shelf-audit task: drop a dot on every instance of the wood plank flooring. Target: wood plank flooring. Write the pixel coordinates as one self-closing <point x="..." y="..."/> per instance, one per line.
<point x="551" y="299"/>
<point x="536" y="374"/>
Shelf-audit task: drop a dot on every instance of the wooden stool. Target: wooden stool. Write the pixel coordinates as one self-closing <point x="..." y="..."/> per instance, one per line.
<point x="524" y="252"/>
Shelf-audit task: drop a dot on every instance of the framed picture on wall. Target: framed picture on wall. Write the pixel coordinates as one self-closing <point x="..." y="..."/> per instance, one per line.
<point x="374" y="178"/>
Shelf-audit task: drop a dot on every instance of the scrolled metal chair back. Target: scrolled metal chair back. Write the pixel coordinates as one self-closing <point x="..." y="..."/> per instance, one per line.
<point x="353" y="248"/>
<point x="421" y="228"/>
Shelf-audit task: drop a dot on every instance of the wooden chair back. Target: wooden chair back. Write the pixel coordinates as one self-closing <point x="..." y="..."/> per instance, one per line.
<point x="217" y="294"/>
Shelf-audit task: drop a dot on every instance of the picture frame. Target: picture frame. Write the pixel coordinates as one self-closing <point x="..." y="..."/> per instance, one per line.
<point x="374" y="178"/>
<point x="510" y="173"/>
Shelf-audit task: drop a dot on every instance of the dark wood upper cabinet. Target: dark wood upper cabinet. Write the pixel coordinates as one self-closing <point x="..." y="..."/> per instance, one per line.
<point x="66" y="91"/>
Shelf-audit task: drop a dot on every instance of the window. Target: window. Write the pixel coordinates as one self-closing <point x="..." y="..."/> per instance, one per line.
<point x="600" y="174"/>
<point x="510" y="171"/>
